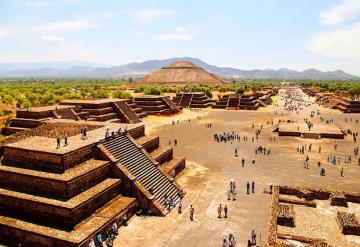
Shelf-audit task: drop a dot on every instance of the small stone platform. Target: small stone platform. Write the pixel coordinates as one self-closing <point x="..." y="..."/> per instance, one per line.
<point x="316" y="132"/>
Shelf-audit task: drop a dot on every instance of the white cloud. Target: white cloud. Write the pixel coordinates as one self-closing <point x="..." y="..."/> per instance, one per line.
<point x="147" y="15"/>
<point x="340" y="43"/>
<point x="4" y="32"/>
<point x="346" y="10"/>
<point x="181" y="33"/>
<point x="37" y="3"/>
<point x="68" y="25"/>
<point x="52" y="38"/>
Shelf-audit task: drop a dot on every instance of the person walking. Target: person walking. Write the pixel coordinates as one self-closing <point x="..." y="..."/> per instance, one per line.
<point x="247" y="187"/>
<point x="192" y="211"/>
<point x="180" y="207"/>
<point x="253" y="187"/>
<point x="225" y="211"/>
<point x="219" y="211"/>
<point x="66" y="140"/>
<point x="58" y="142"/>
<point x="253" y="236"/>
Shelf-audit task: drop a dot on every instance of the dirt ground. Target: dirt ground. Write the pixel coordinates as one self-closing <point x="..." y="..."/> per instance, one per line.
<point x="211" y="165"/>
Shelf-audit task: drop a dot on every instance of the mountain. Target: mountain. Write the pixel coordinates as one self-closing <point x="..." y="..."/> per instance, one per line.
<point x="84" y="69"/>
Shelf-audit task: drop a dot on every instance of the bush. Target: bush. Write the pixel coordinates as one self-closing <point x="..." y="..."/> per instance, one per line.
<point x="139" y="89"/>
<point x="152" y="91"/>
<point x="100" y="94"/>
<point x="240" y="89"/>
<point x="120" y="94"/>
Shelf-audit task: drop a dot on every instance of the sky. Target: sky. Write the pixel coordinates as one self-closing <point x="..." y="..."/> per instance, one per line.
<point x="246" y="34"/>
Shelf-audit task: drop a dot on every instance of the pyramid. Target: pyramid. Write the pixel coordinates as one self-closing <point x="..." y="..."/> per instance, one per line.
<point x="180" y="73"/>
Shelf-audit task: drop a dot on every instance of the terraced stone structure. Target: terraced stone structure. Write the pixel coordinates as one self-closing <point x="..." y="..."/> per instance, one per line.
<point x="33" y="117"/>
<point x="113" y="110"/>
<point x="102" y="110"/>
<point x="313" y="217"/>
<point x="347" y="105"/>
<point x="64" y="196"/>
<point x="318" y="131"/>
<point x="156" y="105"/>
<point x="192" y="100"/>
<point x="247" y="101"/>
<point x="264" y="97"/>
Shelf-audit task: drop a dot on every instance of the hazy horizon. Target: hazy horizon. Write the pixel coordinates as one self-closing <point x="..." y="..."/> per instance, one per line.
<point x="260" y="34"/>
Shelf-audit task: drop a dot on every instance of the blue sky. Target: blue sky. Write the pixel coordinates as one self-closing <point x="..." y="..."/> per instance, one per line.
<point x="296" y="34"/>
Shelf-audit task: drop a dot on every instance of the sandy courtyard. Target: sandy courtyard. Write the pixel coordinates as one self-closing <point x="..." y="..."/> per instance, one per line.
<point x="211" y="165"/>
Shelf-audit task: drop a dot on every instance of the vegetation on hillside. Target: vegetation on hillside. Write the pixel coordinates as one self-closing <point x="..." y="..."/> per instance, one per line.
<point x="38" y="93"/>
<point x="352" y="88"/>
<point x="27" y="93"/>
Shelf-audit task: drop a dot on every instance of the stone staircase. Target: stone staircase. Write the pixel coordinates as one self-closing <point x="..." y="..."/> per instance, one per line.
<point x="192" y="100"/>
<point x="185" y="100"/>
<point x="156" y="105"/>
<point x="233" y="103"/>
<point x="222" y="103"/>
<point x="143" y="169"/>
<point x="125" y="112"/>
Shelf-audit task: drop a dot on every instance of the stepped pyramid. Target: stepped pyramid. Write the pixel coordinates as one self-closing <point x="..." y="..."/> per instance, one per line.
<point x="65" y="196"/>
<point x="180" y="73"/>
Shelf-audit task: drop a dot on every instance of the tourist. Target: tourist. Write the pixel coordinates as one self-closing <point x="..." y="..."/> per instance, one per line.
<point x="253" y="236"/>
<point x="243" y="162"/>
<point x="58" y="142"/>
<point x="175" y="142"/>
<point x="85" y="133"/>
<point x="66" y="140"/>
<point x="234" y="195"/>
<point x="219" y="211"/>
<point x="225" y="211"/>
<point x="322" y="171"/>
<point x="192" y="211"/>
<point x="124" y="220"/>
<point x="229" y="194"/>
<point x="99" y="240"/>
<point x="92" y="243"/>
<point x="107" y="134"/>
<point x="247" y="187"/>
<point x="114" y="229"/>
<point x="232" y="241"/>
<point x="180" y="207"/>
<point x="253" y="187"/>
<point x="225" y="243"/>
<point x="342" y="172"/>
<point x="109" y="241"/>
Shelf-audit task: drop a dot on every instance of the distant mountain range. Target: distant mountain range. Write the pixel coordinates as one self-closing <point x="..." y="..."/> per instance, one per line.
<point x="136" y="70"/>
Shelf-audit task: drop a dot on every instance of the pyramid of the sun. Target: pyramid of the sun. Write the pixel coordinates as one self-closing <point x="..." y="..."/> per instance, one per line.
<point x="181" y="73"/>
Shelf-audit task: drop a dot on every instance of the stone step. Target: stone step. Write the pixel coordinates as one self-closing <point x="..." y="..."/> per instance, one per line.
<point x="12" y="130"/>
<point x="150" y="143"/>
<point x="174" y="166"/>
<point x="13" y="229"/>
<point x="100" y="111"/>
<point x="67" y="213"/>
<point x="104" y="117"/>
<point x="64" y="185"/>
<point x="162" y="154"/>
